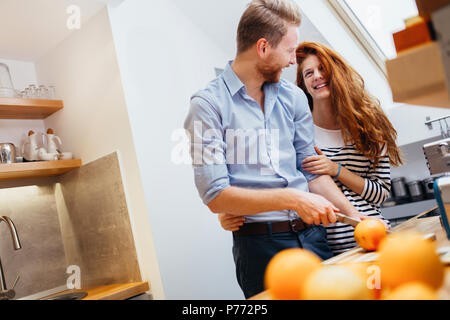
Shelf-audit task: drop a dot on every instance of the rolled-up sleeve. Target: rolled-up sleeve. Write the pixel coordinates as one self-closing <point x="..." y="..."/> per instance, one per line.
<point x="304" y="134"/>
<point x="204" y="128"/>
<point x="378" y="183"/>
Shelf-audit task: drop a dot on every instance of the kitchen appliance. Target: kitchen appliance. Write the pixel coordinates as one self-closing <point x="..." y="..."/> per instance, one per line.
<point x="400" y="190"/>
<point x="30" y="149"/>
<point x="442" y="193"/>
<point x="437" y="154"/>
<point x="6" y="86"/>
<point x="416" y="190"/>
<point x="428" y="184"/>
<point x="7" y="153"/>
<point x="53" y="142"/>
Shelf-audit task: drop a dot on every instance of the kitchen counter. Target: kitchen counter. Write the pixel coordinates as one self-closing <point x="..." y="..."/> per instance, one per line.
<point x="119" y="291"/>
<point x="424" y="225"/>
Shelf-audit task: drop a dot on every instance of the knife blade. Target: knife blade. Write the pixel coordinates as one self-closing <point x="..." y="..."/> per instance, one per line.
<point x="349" y="220"/>
<point x="346" y="219"/>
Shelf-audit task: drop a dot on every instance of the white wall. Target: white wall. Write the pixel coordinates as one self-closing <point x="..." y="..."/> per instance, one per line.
<point x="164" y="57"/>
<point x="11" y="130"/>
<point x="94" y="121"/>
<point x="409" y="121"/>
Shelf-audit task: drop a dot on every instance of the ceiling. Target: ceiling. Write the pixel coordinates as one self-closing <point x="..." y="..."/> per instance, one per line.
<point x="30" y="28"/>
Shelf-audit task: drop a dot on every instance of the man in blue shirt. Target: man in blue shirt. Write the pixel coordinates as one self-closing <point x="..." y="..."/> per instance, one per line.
<point x="250" y="131"/>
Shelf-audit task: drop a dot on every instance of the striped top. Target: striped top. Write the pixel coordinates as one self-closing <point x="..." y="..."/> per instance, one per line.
<point x="376" y="187"/>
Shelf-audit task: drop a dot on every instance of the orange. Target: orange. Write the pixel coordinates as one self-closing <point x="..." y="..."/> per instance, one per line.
<point x="335" y="283"/>
<point x="407" y="257"/>
<point x="359" y="268"/>
<point x="413" y="291"/>
<point x="287" y="271"/>
<point x="369" y="233"/>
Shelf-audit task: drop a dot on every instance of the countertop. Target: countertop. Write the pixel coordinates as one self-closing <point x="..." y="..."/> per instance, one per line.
<point x="119" y="291"/>
<point x="424" y="225"/>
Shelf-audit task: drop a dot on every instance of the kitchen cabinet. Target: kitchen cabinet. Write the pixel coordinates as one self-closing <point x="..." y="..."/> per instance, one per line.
<point x="417" y="77"/>
<point x="18" y="108"/>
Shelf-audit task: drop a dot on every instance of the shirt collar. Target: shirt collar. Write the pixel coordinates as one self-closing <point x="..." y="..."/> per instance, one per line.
<point x="232" y="81"/>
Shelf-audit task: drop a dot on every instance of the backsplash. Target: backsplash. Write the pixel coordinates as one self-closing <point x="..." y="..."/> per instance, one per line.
<point x="79" y="218"/>
<point x="95" y="224"/>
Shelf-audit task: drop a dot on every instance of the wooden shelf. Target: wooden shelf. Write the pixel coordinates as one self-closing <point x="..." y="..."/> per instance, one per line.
<point x="18" y="108"/>
<point x="21" y="170"/>
<point x="120" y="291"/>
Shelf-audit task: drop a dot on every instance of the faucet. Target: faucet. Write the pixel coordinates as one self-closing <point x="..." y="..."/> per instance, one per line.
<point x="6" y="294"/>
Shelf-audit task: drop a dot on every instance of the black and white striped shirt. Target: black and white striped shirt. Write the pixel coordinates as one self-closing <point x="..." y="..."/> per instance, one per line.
<point x="376" y="186"/>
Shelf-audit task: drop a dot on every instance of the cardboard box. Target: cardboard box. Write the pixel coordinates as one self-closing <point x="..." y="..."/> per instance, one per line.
<point x="427" y="7"/>
<point x="414" y="35"/>
<point x="441" y="23"/>
<point x="417" y="77"/>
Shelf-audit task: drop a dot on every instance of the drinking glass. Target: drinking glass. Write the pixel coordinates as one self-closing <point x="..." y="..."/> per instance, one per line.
<point x="33" y="91"/>
<point x="52" y="92"/>
<point x="42" y="92"/>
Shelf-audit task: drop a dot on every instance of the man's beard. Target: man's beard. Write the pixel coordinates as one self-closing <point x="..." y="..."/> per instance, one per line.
<point x="271" y="72"/>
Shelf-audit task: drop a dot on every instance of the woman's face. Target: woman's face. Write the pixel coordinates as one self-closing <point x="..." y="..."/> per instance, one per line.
<point x="314" y="77"/>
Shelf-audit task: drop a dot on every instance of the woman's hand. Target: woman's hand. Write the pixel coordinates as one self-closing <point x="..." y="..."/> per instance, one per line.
<point x="230" y="222"/>
<point x="320" y="164"/>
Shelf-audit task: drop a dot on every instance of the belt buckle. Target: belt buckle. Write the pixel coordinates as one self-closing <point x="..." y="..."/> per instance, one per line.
<point x="293" y="224"/>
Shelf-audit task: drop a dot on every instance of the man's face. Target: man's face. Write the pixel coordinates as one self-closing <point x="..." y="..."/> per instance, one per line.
<point x="280" y="57"/>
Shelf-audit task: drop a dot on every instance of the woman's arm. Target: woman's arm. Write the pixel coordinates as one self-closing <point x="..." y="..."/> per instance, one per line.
<point x="375" y="188"/>
<point x="321" y="164"/>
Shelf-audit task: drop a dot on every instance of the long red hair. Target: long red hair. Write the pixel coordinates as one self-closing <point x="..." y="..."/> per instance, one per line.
<point x="358" y="114"/>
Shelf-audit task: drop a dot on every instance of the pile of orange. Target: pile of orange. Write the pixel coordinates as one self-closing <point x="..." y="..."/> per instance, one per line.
<point x="408" y="268"/>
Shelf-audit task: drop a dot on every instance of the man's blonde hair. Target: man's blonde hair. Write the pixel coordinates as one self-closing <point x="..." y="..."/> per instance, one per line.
<point x="266" y="19"/>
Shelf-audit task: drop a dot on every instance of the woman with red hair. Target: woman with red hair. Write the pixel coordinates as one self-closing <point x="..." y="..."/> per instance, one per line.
<point x="355" y="139"/>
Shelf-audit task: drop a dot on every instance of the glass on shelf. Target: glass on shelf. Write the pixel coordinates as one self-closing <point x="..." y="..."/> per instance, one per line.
<point x="32" y="94"/>
<point x="42" y="92"/>
<point x="26" y="93"/>
<point x="52" y="92"/>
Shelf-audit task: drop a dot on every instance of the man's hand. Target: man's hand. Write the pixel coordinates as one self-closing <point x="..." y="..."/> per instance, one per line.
<point x="320" y="164"/>
<point x="313" y="208"/>
<point x="230" y="222"/>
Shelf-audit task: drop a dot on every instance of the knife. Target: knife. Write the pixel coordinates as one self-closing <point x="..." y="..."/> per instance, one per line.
<point x="346" y="219"/>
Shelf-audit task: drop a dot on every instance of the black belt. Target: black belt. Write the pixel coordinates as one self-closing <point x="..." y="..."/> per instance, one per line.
<point x="275" y="227"/>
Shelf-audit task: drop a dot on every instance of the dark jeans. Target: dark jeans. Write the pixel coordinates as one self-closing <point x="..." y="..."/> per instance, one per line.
<point x="253" y="253"/>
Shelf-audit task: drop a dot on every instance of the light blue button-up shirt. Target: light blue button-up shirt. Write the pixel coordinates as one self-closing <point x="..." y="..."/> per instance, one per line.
<point x="235" y="143"/>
